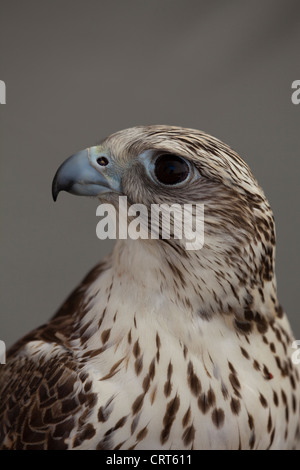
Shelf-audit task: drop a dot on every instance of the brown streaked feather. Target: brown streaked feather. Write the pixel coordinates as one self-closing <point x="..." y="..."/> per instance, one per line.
<point x="42" y="403"/>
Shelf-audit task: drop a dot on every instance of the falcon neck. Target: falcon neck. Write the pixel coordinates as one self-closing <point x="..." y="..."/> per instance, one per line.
<point x="197" y="283"/>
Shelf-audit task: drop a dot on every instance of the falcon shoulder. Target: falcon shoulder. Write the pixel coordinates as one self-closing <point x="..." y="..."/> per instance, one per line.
<point x="46" y="392"/>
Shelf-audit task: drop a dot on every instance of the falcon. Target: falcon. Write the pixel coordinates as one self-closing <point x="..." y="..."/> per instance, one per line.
<point x="161" y="347"/>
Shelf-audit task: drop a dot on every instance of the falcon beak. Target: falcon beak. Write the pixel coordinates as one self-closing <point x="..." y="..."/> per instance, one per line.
<point x="82" y="175"/>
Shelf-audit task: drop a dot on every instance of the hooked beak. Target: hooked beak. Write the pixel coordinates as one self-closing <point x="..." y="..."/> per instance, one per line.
<point x="77" y="175"/>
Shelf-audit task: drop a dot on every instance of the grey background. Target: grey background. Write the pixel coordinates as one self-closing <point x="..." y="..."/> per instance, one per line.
<point x="76" y="71"/>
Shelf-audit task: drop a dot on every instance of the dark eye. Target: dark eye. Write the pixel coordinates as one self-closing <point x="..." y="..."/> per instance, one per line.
<point x="171" y="169"/>
<point x="102" y="161"/>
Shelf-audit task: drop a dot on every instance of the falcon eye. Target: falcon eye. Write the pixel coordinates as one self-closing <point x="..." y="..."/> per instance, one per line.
<point x="102" y="161"/>
<point x="171" y="169"/>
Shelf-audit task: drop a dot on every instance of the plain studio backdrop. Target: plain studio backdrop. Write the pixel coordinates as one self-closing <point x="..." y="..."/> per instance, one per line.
<point x="78" y="70"/>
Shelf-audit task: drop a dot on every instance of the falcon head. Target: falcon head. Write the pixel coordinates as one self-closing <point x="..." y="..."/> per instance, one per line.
<point x="234" y="270"/>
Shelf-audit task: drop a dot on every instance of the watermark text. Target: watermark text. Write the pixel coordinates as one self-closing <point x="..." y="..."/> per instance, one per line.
<point x="2" y="352"/>
<point x="296" y="94"/>
<point x="161" y="221"/>
<point x="296" y="354"/>
<point x="2" y="92"/>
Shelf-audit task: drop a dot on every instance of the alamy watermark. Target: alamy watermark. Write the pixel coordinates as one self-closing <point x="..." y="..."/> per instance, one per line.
<point x="296" y="354"/>
<point x="2" y="352"/>
<point x="2" y="92"/>
<point x="179" y="221"/>
<point x="296" y="94"/>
